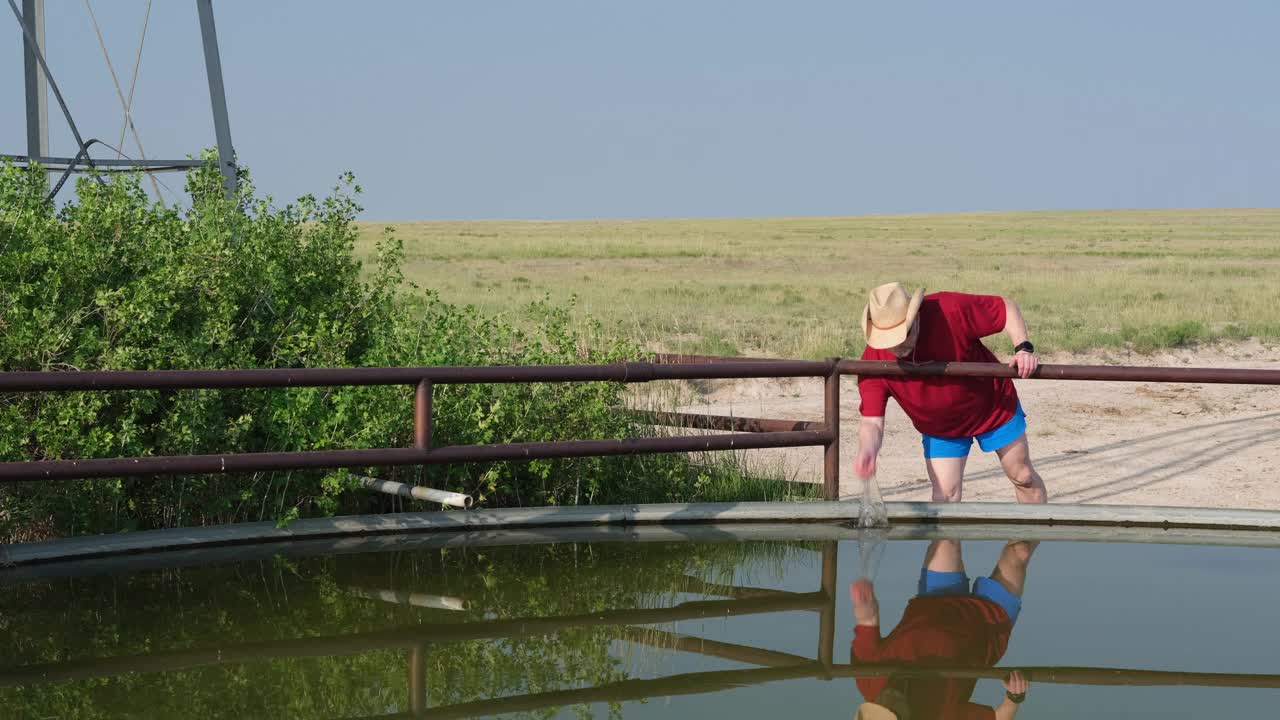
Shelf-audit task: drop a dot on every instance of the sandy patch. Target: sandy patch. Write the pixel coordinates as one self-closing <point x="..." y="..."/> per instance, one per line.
<point x="1094" y="442"/>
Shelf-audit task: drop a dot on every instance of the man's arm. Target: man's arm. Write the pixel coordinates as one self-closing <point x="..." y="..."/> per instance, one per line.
<point x="1016" y="327"/>
<point x="1006" y="710"/>
<point x="1014" y="324"/>
<point x="870" y="435"/>
<point x="866" y="647"/>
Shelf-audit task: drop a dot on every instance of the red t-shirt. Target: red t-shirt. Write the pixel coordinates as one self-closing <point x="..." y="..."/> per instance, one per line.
<point x="951" y="328"/>
<point x="945" y="631"/>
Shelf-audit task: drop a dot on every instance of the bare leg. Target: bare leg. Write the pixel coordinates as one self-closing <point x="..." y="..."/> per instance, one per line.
<point x="1011" y="568"/>
<point x="1015" y="458"/>
<point x="947" y="477"/>
<point x="944" y="556"/>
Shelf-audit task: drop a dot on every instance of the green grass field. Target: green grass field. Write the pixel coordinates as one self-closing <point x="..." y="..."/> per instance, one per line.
<point x="794" y="287"/>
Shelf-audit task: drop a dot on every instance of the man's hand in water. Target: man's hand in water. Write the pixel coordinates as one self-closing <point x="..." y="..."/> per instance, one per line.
<point x="866" y="609"/>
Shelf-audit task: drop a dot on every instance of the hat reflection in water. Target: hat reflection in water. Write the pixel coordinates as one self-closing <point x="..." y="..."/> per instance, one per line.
<point x="891" y="704"/>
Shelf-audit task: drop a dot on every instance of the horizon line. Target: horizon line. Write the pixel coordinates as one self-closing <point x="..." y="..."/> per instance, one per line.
<point x="686" y="218"/>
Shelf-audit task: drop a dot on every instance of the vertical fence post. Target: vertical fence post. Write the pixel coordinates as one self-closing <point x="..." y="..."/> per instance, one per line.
<point x="422" y="416"/>
<point x="831" y="415"/>
<point x="422" y="419"/>
<point x="827" y="618"/>
<point x="417" y="680"/>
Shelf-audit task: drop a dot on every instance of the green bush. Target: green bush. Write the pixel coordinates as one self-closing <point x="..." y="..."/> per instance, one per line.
<point x="112" y="281"/>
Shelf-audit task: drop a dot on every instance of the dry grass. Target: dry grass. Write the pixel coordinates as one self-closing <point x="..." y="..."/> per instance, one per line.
<point x="794" y="286"/>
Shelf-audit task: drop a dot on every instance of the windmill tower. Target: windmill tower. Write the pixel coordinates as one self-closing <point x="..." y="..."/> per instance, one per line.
<point x="38" y="81"/>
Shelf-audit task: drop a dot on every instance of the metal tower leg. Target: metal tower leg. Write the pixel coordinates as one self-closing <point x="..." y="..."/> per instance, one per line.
<point x="37" y="89"/>
<point x="217" y="96"/>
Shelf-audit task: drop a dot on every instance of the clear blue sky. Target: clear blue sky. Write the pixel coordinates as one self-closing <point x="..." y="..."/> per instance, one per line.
<point x="694" y="108"/>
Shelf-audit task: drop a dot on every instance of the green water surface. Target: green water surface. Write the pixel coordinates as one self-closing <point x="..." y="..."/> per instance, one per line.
<point x="576" y="628"/>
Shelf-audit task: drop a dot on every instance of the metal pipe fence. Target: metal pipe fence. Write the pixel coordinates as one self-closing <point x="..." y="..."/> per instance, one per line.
<point x="741" y="433"/>
<point x="746" y="435"/>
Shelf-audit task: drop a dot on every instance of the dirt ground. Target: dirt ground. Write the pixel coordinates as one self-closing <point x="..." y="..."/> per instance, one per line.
<point x="1093" y="442"/>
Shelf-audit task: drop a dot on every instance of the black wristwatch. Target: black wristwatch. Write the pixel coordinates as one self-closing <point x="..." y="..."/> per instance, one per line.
<point x="1024" y="345"/>
<point x="1017" y="698"/>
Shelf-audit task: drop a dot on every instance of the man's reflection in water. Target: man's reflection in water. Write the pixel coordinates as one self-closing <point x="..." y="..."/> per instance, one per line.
<point x="949" y="623"/>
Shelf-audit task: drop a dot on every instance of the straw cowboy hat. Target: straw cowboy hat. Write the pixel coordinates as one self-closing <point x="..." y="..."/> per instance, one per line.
<point x="887" y="318"/>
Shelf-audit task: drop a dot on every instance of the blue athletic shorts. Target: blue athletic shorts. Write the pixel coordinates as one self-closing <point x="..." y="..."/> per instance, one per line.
<point x="990" y="441"/>
<point x="933" y="583"/>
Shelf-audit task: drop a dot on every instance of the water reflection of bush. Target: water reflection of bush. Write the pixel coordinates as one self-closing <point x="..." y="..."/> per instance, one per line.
<point x="289" y="637"/>
<point x="178" y="619"/>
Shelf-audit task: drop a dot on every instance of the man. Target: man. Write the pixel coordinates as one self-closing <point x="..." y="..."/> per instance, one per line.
<point x="946" y="625"/>
<point x="949" y="412"/>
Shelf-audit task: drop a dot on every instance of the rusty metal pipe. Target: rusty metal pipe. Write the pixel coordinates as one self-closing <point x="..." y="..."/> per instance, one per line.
<point x="207" y="464"/>
<point x="262" y="462"/>
<point x="827" y="618"/>
<point x="416" y="668"/>
<point x="422" y="415"/>
<point x="831" y="453"/>
<point x="1068" y="675"/>
<point x="719" y="680"/>
<point x="1120" y="373"/>
<point x="31" y="381"/>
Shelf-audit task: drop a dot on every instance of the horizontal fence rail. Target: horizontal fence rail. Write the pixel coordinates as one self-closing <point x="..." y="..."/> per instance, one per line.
<point x="391" y="457"/>
<point x="1119" y="373"/>
<point x="689" y="367"/>
<point x="710" y="681"/>
<point x="1114" y="373"/>
<point x="626" y="372"/>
